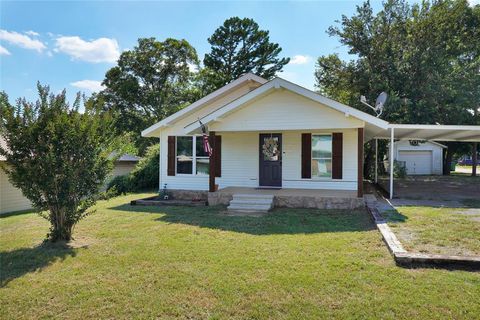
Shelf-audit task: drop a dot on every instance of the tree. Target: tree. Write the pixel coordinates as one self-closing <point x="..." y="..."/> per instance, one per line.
<point x="239" y="47"/>
<point x="57" y="156"/>
<point x="426" y="56"/>
<point x="149" y="83"/>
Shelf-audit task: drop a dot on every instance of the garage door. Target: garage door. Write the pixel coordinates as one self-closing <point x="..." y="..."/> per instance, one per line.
<point x="417" y="162"/>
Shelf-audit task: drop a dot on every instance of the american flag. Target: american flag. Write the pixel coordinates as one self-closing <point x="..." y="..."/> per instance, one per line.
<point x="206" y="143"/>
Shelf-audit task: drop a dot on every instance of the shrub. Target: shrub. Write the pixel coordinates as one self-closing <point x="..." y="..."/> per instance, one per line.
<point x="145" y="174"/>
<point x="120" y="185"/>
<point x="143" y="177"/>
<point x="399" y="169"/>
<point x="56" y="155"/>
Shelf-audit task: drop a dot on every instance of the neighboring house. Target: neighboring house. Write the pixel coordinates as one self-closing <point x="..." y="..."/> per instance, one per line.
<point x="12" y="199"/>
<point x="420" y="157"/>
<point x="124" y="165"/>
<point x="272" y="134"/>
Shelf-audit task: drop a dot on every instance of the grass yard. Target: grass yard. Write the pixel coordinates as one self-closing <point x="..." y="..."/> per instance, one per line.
<point x="196" y="263"/>
<point x="438" y="230"/>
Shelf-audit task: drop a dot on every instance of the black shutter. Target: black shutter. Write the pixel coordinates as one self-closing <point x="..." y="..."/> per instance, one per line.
<point x="337" y="155"/>
<point x="171" y="156"/>
<point x="306" y="155"/>
<point x="217" y="153"/>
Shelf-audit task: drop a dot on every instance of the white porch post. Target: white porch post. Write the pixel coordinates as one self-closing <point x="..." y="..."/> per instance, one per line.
<point x="376" y="160"/>
<point x="160" y="164"/>
<point x="392" y="136"/>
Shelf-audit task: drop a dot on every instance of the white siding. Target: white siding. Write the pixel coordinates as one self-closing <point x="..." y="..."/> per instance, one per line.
<point x="284" y="110"/>
<point x="240" y="163"/>
<point x="178" y="127"/>
<point x="437" y="153"/>
<point x="291" y="170"/>
<point x="191" y="182"/>
<point x="122" y="168"/>
<point x="11" y="198"/>
<point x="279" y="112"/>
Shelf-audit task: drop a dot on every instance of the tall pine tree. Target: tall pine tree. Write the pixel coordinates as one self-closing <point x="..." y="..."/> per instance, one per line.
<point x="239" y="47"/>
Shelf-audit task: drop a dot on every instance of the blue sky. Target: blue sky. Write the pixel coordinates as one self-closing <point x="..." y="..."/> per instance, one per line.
<point x="72" y="44"/>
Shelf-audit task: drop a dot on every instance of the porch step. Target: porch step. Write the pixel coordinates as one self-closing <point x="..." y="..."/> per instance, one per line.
<point x="251" y="202"/>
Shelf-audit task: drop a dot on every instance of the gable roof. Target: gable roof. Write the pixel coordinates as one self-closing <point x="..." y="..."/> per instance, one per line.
<point x="149" y="132"/>
<point x="278" y="83"/>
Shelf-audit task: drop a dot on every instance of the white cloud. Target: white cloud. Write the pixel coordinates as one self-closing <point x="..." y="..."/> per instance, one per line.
<point x="21" y="40"/>
<point x="300" y="59"/>
<point x="474" y="2"/>
<point x="32" y="33"/>
<point x="99" y="50"/>
<point x="90" y="85"/>
<point x="4" y="51"/>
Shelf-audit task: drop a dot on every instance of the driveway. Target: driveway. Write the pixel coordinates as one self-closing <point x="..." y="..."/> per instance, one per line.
<point x="457" y="187"/>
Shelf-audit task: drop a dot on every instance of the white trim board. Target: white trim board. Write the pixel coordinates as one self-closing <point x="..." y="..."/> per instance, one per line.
<point x="279" y="83"/>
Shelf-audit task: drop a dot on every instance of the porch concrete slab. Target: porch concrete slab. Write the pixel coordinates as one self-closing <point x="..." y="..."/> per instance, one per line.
<point x="292" y="192"/>
<point x="294" y="198"/>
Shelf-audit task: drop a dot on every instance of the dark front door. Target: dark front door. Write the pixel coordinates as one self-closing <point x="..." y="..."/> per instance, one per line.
<point x="270" y="160"/>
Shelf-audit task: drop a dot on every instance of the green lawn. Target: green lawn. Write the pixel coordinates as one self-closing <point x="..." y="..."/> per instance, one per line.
<point x="197" y="263"/>
<point x="438" y="230"/>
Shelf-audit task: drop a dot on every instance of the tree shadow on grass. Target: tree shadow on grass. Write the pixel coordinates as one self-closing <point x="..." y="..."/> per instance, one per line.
<point x="18" y="262"/>
<point x="278" y="221"/>
<point x="16" y="213"/>
<point x="393" y="216"/>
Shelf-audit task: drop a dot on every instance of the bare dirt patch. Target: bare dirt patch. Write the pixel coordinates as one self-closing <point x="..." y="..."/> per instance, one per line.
<point x="445" y="188"/>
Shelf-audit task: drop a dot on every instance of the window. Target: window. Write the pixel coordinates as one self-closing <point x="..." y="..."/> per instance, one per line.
<point x="321" y="156"/>
<point x="202" y="161"/>
<point x="185" y="155"/>
<point x="191" y="157"/>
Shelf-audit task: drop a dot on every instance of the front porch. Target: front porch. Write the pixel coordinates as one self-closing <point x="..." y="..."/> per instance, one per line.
<point x="293" y="198"/>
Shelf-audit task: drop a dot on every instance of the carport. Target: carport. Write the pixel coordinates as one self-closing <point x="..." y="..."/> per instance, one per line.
<point x="421" y="132"/>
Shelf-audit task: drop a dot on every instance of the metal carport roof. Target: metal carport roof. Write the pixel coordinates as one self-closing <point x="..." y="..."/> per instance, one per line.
<point x="431" y="132"/>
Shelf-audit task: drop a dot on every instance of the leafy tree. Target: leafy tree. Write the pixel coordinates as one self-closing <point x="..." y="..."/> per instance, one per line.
<point x="149" y="83"/>
<point x="238" y="47"/>
<point x="426" y="56"/>
<point x="57" y="156"/>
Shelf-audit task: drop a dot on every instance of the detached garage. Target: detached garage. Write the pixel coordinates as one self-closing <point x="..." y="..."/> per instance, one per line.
<point x="420" y="157"/>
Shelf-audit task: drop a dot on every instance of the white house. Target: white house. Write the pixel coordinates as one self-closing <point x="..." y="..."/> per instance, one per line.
<point x="277" y="135"/>
<point x="265" y="134"/>
<point x="420" y="157"/>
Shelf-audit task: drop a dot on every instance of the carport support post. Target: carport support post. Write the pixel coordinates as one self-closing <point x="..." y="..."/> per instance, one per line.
<point x="474" y="160"/>
<point x="392" y="135"/>
<point x="376" y="160"/>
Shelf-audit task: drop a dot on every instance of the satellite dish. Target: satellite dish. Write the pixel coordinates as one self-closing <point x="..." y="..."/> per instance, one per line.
<point x="381" y="99"/>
